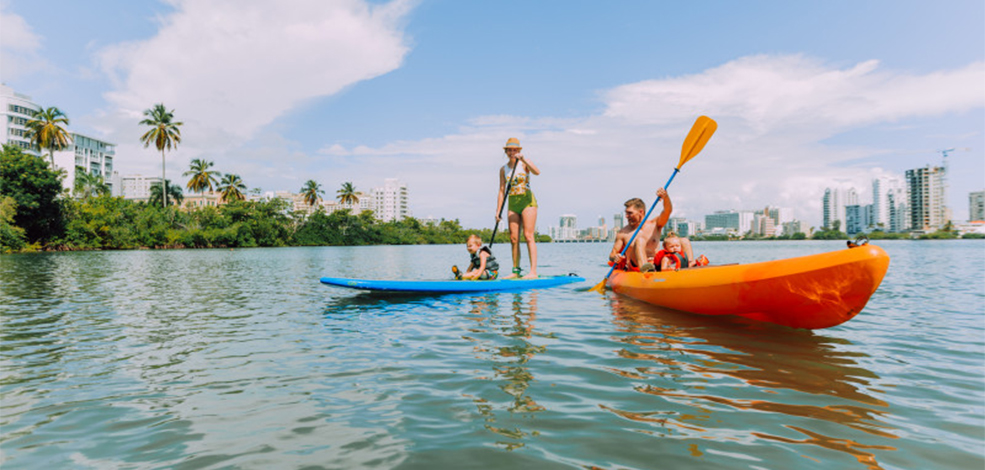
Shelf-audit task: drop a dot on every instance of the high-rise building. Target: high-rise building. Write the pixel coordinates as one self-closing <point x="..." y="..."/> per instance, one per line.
<point x="927" y="195"/>
<point x="16" y="110"/>
<point x="884" y="190"/>
<point x="390" y="202"/>
<point x="90" y="155"/>
<point x="858" y="218"/>
<point x="567" y="227"/>
<point x="618" y="221"/>
<point x="976" y="206"/>
<point x="833" y="206"/>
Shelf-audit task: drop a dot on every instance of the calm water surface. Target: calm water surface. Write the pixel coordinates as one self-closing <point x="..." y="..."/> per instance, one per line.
<point x="242" y="359"/>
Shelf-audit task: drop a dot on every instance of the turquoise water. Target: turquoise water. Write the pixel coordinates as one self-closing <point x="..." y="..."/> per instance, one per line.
<point x="242" y="359"/>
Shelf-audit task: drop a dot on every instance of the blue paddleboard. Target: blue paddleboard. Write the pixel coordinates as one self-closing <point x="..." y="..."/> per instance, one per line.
<point x="451" y="286"/>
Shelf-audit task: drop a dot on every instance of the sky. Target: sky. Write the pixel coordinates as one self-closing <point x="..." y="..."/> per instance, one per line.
<point x="807" y="95"/>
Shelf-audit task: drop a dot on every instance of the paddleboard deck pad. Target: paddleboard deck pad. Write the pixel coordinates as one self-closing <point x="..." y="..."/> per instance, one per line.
<point x="450" y="286"/>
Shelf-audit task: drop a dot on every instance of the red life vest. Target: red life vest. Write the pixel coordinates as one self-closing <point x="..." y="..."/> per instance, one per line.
<point x="678" y="260"/>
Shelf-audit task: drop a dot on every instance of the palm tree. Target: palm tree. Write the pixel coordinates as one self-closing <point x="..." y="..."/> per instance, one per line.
<point x="174" y="195"/>
<point x="89" y="184"/>
<point x="347" y="195"/>
<point x="312" y="192"/>
<point x="202" y="177"/>
<point x="46" y="131"/>
<point x="231" y="187"/>
<point x="164" y="133"/>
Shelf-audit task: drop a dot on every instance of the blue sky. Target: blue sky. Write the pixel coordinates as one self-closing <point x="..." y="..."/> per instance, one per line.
<point x="807" y="95"/>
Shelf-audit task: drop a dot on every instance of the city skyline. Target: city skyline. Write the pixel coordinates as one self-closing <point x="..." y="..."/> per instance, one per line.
<point x="600" y="98"/>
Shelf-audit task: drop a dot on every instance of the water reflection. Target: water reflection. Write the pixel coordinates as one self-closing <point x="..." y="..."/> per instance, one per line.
<point x="741" y="366"/>
<point x="507" y="343"/>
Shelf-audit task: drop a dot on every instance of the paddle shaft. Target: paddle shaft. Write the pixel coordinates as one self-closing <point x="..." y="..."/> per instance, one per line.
<point x="645" y="217"/>
<point x="506" y="197"/>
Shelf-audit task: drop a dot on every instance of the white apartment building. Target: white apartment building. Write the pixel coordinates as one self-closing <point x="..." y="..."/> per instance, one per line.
<point x="16" y="110"/>
<point x="365" y="202"/>
<point x="137" y="186"/>
<point x="833" y="206"/>
<point x="390" y="202"/>
<point x="567" y="228"/>
<point x="94" y="156"/>
<point x="886" y="191"/>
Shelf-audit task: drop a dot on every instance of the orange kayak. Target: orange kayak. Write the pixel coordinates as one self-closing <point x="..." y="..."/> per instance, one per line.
<point x="816" y="291"/>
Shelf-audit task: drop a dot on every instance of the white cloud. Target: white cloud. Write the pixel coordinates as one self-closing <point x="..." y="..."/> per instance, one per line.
<point x="230" y="67"/>
<point x="19" y="46"/>
<point x="774" y="114"/>
<point x="779" y="93"/>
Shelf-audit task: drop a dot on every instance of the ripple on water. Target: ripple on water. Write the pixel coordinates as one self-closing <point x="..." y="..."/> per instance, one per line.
<point x="218" y="358"/>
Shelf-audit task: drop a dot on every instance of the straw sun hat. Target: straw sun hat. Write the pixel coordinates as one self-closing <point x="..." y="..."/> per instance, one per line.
<point x="512" y="143"/>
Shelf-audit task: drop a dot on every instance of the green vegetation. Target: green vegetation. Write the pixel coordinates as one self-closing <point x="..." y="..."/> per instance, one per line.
<point x="12" y="237"/>
<point x="231" y="188"/>
<point x="36" y="214"/>
<point x="46" y="131"/>
<point x="202" y="177"/>
<point x="880" y="235"/>
<point x="89" y="185"/>
<point x="312" y="192"/>
<point x="347" y="194"/>
<point x="34" y="188"/>
<point x="164" y="133"/>
<point x="940" y="235"/>
<point x="833" y="233"/>
<point x="174" y="195"/>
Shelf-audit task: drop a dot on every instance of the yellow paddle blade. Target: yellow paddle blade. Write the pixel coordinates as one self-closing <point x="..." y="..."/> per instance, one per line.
<point x="600" y="287"/>
<point x="701" y="131"/>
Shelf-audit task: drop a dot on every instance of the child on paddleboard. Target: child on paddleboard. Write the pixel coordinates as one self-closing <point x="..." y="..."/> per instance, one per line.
<point x="482" y="266"/>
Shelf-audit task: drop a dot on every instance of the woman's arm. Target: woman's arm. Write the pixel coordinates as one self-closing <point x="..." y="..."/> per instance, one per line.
<point x="502" y="189"/>
<point x="531" y="168"/>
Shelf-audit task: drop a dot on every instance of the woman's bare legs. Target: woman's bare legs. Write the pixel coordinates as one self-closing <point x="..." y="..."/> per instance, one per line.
<point x="514" y="220"/>
<point x="529" y="226"/>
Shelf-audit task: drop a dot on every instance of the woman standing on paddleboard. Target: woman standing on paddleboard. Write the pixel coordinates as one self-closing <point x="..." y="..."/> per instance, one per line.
<point x="515" y="178"/>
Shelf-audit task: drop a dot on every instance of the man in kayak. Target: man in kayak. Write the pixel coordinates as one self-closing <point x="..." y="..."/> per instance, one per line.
<point x="646" y="242"/>
<point x="483" y="264"/>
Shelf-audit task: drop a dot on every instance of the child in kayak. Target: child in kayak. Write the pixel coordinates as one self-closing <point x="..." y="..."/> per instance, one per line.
<point x="673" y="257"/>
<point x="482" y="266"/>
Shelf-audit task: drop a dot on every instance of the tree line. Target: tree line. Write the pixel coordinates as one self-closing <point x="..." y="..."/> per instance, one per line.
<point x="35" y="214"/>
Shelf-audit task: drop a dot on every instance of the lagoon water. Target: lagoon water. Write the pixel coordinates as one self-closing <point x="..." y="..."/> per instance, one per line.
<point x="241" y="359"/>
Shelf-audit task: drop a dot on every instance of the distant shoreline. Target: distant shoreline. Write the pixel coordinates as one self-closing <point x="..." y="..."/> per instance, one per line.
<point x="182" y="247"/>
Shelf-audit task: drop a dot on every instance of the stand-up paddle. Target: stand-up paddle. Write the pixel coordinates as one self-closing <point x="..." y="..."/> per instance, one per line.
<point x="702" y="130"/>
<point x="506" y="197"/>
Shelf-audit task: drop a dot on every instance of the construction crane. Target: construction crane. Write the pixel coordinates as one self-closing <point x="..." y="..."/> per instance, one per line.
<point x="945" y="152"/>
